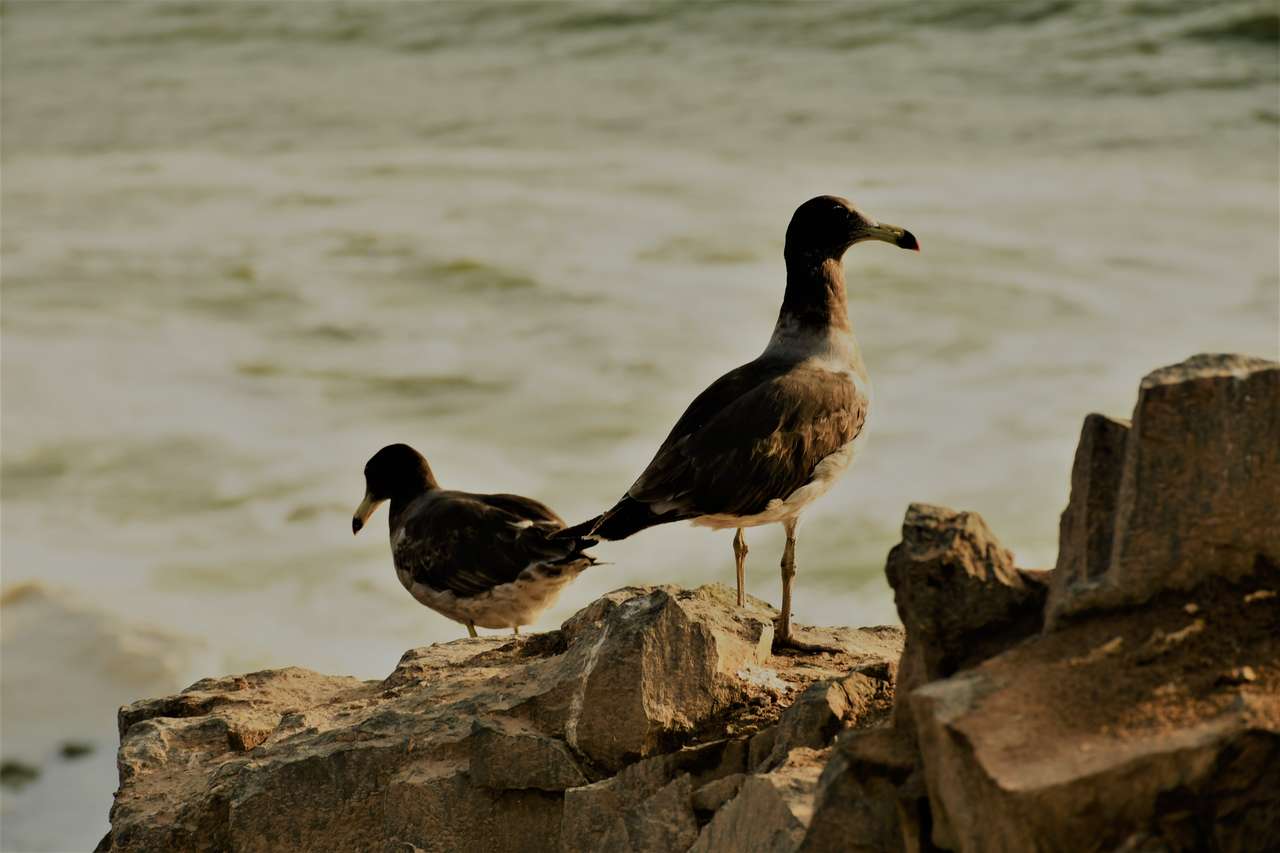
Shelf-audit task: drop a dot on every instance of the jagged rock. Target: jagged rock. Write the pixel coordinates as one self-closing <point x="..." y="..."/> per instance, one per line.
<point x="595" y="813"/>
<point x="656" y="666"/>
<point x="1081" y="733"/>
<point x="1085" y="530"/>
<point x="771" y="811"/>
<point x="1198" y="491"/>
<point x="760" y="747"/>
<point x="716" y="793"/>
<point x="663" y="821"/>
<point x="958" y="594"/>
<point x="826" y="708"/>
<point x="477" y="744"/>
<point x="867" y="799"/>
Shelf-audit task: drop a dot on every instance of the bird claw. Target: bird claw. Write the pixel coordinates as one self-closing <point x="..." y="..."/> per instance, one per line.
<point x="792" y="643"/>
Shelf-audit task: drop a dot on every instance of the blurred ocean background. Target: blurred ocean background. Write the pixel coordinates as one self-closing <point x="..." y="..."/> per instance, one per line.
<point x="246" y="245"/>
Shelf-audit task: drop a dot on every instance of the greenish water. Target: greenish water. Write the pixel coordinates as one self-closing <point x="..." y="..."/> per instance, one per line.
<point x="245" y="245"/>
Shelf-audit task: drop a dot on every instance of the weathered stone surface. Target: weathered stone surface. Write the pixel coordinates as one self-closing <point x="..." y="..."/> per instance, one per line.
<point x="477" y="744"/>
<point x="656" y="665"/>
<point x="958" y="594"/>
<point x="663" y="821"/>
<point x="771" y="811"/>
<point x="433" y="806"/>
<point x="1081" y="734"/>
<point x="1199" y="487"/>
<point x="595" y="813"/>
<point x="828" y="707"/>
<point x="1087" y="524"/>
<point x="864" y="801"/>
<point x="508" y="754"/>
<point x="716" y="793"/>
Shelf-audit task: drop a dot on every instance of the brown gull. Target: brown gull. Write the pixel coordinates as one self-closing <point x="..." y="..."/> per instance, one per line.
<point x="768" y="438"/>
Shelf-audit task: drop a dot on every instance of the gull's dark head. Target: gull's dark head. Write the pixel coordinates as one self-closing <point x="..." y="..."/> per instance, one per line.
<point x="828" y="225"/>
<point x="397" y="472"/>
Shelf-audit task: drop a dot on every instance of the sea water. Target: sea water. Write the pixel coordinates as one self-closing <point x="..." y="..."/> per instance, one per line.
<point x="246" y="245"/>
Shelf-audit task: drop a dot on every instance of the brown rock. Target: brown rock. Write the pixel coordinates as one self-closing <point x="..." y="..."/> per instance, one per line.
<point x="771" y="811"/>
<point x="1085" y="530"/>
<point x="716" y="793"/>
<point x="594" y="814"/>
<point x="760" y="747"/>
<point x="507" y="754"/>
<point x="1037" y="749"/>
<point x="656" y="666"/>
<point x="1199" y="487"/>
<point x="958" y="594"/>
<point x="828" y="707"/>
<point x="663" y="821"/>
<point x="865" y="800"/>
<point x="433" y="806"/>
<point x="162" y="804"/>
<point x="477" y="744"/>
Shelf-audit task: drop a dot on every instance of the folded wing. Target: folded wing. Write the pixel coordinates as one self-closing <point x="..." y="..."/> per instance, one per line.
<point x="761" y="447"/>
<point x="469" y="544"/>
<point x="755" y="435"/>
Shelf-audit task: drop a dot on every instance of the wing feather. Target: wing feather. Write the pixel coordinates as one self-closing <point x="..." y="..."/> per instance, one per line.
<point x="468" y="543"/>
<point x="761" y="446"/>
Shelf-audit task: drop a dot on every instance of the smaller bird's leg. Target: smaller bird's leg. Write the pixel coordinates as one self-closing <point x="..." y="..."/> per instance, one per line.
<point x="740" y="556"/>
<point x="788" y="575"/>
<point x="515" y="629"/>
<point x="471" y="629"/>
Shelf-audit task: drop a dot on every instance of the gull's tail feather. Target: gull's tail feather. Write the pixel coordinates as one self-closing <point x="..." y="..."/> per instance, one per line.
<point x="627" y="517"/>
<point x="580" y="532"/>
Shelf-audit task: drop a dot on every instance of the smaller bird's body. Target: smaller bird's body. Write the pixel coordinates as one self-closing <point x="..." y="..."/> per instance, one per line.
<point x="768" y="438"/>
<point x="479" y="559"/>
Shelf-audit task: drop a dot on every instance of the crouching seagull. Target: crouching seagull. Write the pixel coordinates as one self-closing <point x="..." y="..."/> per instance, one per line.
<point x="768" y="438"/>
<point x="487" y="560"/>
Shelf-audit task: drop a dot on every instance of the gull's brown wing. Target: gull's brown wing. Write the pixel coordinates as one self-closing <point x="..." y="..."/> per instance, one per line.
<point x="754" y="435"/>
<point x="760" y="446"/>
<point x="469" y="544"/>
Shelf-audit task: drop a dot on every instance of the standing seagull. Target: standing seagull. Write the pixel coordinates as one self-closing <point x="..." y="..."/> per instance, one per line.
<point x="487" y="560"/>
<point x="766" y="439"/>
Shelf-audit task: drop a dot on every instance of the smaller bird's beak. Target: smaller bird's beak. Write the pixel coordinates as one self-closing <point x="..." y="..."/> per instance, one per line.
<point x="899" y="237"/>
<point x="366" y="508"/>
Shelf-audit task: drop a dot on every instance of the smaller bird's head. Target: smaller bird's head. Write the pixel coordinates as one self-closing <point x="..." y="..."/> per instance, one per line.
<point x="828" y="225"/>
<point x="397" y="472"/>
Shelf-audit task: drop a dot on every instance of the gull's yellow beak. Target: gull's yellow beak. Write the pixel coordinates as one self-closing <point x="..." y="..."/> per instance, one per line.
<point x="366" y="508"/>
<point x="899" y="237"/>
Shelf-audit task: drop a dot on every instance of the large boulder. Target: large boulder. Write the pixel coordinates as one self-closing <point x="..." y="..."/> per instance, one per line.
<point x="1196" y="495"/>
<point x="1147" y="716"/>
<point x="1145" y="724"/>
<point x="491" y="743"/>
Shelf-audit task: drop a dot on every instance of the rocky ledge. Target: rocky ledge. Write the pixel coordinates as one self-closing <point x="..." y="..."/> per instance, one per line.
<point x="1127" y="700"/>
